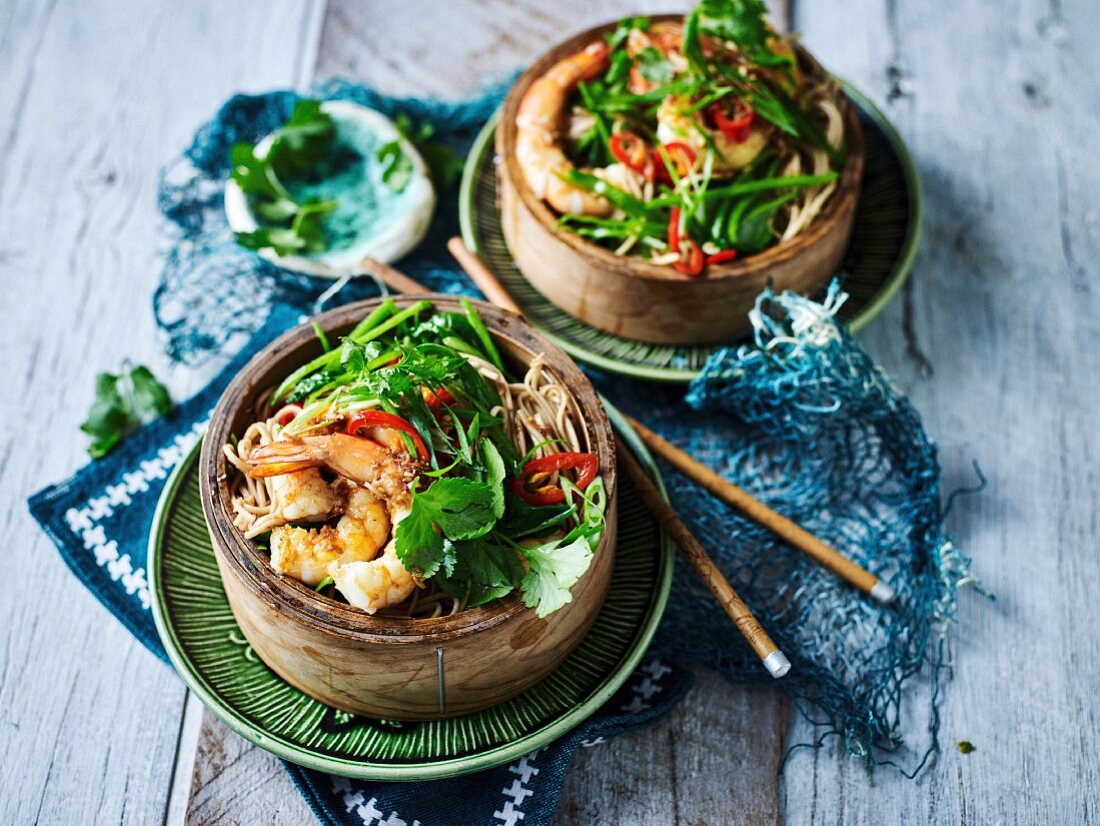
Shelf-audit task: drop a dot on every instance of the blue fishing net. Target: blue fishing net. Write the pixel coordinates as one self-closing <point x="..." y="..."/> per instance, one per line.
<point x="800" y="416"/>
<point x="803" y="418"/>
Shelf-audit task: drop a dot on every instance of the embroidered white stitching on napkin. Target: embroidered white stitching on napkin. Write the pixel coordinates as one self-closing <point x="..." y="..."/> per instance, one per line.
<point x="83" y="521"/>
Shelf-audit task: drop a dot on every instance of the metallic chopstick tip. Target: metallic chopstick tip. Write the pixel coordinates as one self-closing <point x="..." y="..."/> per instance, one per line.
<point x="882" y="592"/>
<point x="777" y="664"/>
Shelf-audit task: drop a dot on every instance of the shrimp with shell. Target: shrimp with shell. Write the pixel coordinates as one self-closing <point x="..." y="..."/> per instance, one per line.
<point x="347" y="552"/>
<point x="539" y="130"/>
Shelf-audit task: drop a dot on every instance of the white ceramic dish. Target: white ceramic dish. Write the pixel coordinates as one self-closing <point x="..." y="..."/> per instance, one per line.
<point x="417" y="204"/>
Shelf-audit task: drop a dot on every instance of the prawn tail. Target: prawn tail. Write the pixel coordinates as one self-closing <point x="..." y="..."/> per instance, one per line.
<point x="279" y="458"/>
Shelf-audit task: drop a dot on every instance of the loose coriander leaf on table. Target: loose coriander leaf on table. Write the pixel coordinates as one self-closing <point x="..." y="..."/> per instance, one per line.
<point x="123" y="403"/>
<point x="151" y="399"/>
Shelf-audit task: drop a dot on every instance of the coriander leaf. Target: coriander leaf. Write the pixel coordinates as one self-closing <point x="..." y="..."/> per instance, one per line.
<point x="418" y="546"/>
<point x="483" y="572"/>
<point x="151" y="399"/>
<point x="554" y="570"/>
<point x="122" y="404"/>
<point x="494" y="475"/>
<point x="491" y="564"/>
<point x="251" y="173"/>
<point x="742" y="21"/>
<point x="297" y="147"/>
<point x="654" y="66"/>
<point x="303" y="141"/>
<point x="461" y="508"/>
<point x="397" y="167"/>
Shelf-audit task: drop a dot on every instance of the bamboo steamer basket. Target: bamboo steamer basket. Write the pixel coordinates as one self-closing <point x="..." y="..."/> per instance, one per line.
<point x="628" y="297"/>
<point x="399" y="669"/>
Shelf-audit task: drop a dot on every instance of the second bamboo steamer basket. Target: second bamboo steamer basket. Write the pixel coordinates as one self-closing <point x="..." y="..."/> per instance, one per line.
<point x="629" y="297"/>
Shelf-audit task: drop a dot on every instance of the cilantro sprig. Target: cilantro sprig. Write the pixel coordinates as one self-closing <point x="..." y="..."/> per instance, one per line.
<point x="124" y="401"/>
<point x="286" y="225"/>
<point x="444" y="164"/>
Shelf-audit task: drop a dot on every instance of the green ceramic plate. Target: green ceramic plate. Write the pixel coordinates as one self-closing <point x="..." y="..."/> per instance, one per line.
<point x="206" y="646"/>
<point x="884" y="243"/>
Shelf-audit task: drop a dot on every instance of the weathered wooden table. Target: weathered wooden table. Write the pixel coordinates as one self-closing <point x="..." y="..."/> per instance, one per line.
<point x="996" y="339"/>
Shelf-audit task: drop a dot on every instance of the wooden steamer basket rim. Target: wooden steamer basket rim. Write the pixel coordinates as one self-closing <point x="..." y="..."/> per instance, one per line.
<point x="847" y="185"/>
<point x="302" y="603"/>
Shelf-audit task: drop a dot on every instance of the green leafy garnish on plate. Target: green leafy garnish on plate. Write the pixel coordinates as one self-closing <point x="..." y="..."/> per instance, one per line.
<point x="287" y="226"/>
<point x="123" y="403"/>
<point x="444" y="164"/>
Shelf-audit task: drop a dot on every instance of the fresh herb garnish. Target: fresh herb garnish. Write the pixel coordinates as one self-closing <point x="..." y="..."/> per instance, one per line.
<point x="464" y="529"/>
<point x="444" y="164"/>
<point x="123" y="403"/>
<point x="461" y="508"/>
<point x="287" y="225"/>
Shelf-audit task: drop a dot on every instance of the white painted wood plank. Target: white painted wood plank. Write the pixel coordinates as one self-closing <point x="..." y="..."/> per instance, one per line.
<point x="994" y="102"/>
<point x="95" y="97"/>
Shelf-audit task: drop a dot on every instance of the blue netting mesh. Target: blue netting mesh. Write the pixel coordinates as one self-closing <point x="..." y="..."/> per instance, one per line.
<point x="804" y="419"/>
<point x="801" y="417"/>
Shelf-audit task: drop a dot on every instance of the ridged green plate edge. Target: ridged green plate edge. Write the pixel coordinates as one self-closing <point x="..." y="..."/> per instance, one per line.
<point x="467" y="205"/>
<point x="435" y="769"/>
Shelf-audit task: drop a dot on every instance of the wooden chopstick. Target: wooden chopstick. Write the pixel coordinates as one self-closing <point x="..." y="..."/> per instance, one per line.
<point x="774" y="660"/>
<point x="393" y="278"/>
<point x="481" y="276"/>
<point x="756" y="510"/>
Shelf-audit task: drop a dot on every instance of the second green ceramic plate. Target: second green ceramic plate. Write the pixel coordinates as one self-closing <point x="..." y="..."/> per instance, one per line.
<point x="884" y="243"/>
<point x="205" y="645"/>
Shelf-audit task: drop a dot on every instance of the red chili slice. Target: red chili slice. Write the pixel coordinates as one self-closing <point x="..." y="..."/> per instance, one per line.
<point x="630" y="150"/>
<point x="289" y="414"/>
<point x="436" y="398"/>
<point x="674" y="230"/>
<point x="369" y="419"/>
<point x="721" y="256"/>
<point x="682" y="156"/>
<point x="587" y="466"/>
<point x="691" y="260"/>
<point x="733" y="117"/>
